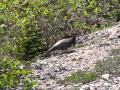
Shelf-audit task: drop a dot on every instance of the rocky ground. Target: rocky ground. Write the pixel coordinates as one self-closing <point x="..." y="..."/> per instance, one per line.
<point x="95" y="46"/>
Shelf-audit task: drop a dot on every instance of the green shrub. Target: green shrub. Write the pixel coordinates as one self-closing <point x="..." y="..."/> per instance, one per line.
<point x="29" y="84"/>
<point x="11" y="71"/>
<point x="32" y="46"/>
<point x="79" y="77"/>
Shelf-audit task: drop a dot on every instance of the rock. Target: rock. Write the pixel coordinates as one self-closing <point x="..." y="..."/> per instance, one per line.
<point x="85" y="87"/>
<point x="105" y="76"/>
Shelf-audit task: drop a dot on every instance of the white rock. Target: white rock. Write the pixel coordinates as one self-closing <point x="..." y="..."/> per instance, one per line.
<point x="85" y="87"/>
<point x="106" y="76"/>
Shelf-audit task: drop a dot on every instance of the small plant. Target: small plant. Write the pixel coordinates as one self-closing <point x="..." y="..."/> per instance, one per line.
<point x="111" y="66"/>
<point x="29" y="84"/>
<point x="115" y="52"/>
<point x="79" y="77"/>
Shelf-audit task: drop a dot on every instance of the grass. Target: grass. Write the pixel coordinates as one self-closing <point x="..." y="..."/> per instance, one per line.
<point x="115" y="52"/>
<point x="79" y="77"/>
<point x="111" y="65"/>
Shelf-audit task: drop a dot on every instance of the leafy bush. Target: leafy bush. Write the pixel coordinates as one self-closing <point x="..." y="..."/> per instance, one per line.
<point x="11" y="71"/>
<point x="79" y="77"/>
<point x="29" y="84"/>
<point x="110" y="65"/>
<point x="32" y="46"/>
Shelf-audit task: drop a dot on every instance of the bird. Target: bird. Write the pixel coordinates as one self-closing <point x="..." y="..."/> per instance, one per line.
<point x="63" y="44"/>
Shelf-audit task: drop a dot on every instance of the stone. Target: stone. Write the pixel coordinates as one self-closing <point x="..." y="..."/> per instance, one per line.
<point x="85" y="87"/>
<point x="105" y="76"/>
